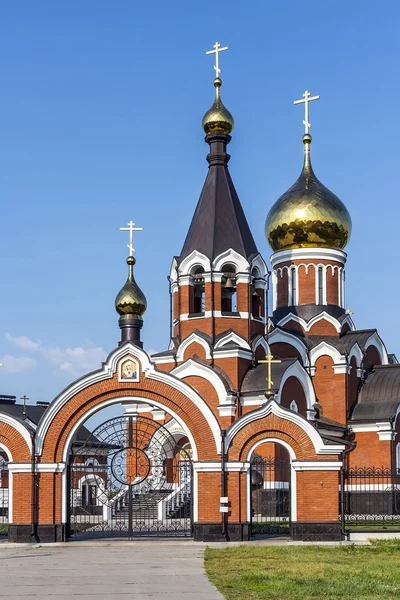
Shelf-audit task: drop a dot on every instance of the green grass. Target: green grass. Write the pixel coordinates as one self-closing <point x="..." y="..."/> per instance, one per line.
<point x="306" y="572"/>
<point x="3" y="528"/>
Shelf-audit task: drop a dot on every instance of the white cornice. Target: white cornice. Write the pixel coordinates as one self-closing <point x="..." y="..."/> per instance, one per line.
<point x="317" y="465"/>
<point x="39" y="467"/>
<point x="308" y="254"/>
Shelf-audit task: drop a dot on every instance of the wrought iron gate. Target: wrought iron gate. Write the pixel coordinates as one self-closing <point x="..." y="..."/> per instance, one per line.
<point x="130" y="478"/>
<point x="270" y="496"/>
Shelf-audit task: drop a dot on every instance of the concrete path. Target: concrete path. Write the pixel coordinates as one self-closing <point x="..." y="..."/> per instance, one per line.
<point x="139" y="570"/>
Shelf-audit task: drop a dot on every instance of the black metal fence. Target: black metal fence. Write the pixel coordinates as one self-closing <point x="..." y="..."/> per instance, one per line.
<point x="4" y="496"/>
<point x="370" y="498"/>
<point x="270" y="496"/>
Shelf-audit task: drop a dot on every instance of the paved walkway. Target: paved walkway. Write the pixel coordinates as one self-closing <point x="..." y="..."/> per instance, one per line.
<point x="137" y="570"/>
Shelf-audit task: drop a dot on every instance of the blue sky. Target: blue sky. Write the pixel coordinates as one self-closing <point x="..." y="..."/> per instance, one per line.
<point x="100" y="122"/>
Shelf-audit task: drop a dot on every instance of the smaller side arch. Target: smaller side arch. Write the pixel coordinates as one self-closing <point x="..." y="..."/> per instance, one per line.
<point x="325" y="349"/>
<point x="376" y="341"/>
<point x="296" y="370"/>
<point x="233" y="257"/>
<point x="193" y="337"/>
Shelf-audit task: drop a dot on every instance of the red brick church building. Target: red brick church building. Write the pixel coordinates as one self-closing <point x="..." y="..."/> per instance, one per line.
<point x="204" y="441"/>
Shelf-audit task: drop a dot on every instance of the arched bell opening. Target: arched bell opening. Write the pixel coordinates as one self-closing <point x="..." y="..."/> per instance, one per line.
<point x="197" y="291"/>
<point x="270" y="488"/>
<point x="228" y="289"/>
<point x="257" y="295"/>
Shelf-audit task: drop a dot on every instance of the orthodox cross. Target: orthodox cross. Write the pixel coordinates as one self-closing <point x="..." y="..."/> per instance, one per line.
<point x="269" y="360"/>
<point x="217" y="49"/>
<point x="131" y="228"/>
<point x="306" y="99"/>
<point x="24" y="398"/>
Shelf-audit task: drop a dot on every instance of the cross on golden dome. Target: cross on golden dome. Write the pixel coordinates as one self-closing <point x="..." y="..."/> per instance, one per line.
<point x="216" y="51"/>
<point x="306" y="99"/>
<point x="131" y="228"/>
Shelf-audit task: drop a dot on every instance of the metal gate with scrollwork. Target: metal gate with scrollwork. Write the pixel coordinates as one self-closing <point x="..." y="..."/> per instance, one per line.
<point x="130" y="478"/>
<point x="270" y="496"/>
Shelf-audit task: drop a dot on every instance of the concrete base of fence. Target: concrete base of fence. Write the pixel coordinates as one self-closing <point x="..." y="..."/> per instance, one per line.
<point x="362" y="536"/>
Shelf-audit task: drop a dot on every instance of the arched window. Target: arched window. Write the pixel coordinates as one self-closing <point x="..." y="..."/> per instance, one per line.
<point x="197" y="300"/>
<point x="228" y="289"/>
<point x="320" y="285"/>
<point x="293" y="276"/>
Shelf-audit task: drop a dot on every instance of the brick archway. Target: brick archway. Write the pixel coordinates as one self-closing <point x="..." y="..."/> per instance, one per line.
<point x="314" y="467"/>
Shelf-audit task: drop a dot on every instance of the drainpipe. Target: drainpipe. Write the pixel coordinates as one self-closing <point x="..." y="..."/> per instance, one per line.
<point x="33" y="488"/>
<point x="212" y="317"/>
<point x="170" y="307"/>
<point x="223" y="483"/>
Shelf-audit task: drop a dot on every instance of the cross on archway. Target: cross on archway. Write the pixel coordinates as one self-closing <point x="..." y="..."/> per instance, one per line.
<point x="269" y="360"/>
<point x="306" y="99"/>
<point x="216" y="51"/>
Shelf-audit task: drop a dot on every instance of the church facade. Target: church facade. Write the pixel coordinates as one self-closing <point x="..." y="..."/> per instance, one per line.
<point x="246" y="423"/>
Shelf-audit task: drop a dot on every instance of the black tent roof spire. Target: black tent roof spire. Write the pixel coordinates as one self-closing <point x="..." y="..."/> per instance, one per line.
<point x="219" y="222"/>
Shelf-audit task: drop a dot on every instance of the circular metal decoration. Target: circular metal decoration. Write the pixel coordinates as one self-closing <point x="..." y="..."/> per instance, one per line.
<point x="130" y="465"/>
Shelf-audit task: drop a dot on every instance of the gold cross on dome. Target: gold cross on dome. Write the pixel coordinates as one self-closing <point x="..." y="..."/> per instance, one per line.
<point x="24" y="398"/>
<point x="131" y="228"/>
<point x="216" y="51"/>
<point x="306" y="99"/>
<point x="269" y="360"/>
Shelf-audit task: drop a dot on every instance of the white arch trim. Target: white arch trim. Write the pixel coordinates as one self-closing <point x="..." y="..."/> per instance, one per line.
<point x="232" y="337"/>
<point x="4" y="418"/>
<point x="193" y="337"/>
<point x="194" y="259"/>
<point x="272" y="407"/>
<point x="190" y="368"/>
<point x="355" y="352"/>
<point x="261" y="342"/>
<point x="7" y="451"/>
<point x="231" y="256"/>
<point x="376" y="341"/>
<point x="259" y="263"/>
<point x="293" y="482"/>
<point x="307" y="326"/>
<point x="325" y="349"/>
<point x="298" y="371"/>
<point x="285" y="337"/>
<point x="107" y="372"/>
<point x="350" y="322"/>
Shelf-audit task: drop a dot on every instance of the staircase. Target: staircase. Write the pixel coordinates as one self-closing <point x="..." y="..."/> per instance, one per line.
<point x="144" y="506"/>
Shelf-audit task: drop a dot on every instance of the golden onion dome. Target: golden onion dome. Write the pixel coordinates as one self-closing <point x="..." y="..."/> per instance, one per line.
<point x="131" y="300"/>
<point x="218" y="119"/>
<point x="308" y="215"/>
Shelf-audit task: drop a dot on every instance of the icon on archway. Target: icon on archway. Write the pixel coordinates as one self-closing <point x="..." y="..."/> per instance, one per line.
<point x="129" y="370"/>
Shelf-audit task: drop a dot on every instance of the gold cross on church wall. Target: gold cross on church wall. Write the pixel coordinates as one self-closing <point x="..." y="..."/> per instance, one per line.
<point x="269" y="360"/>
<point x="131" y="228"/>
<point x="216" y="51"/>
<point x="306" y="99"/>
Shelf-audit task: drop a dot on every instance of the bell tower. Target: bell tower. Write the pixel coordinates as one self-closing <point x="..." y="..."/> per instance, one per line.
<point x="219" y="280"/>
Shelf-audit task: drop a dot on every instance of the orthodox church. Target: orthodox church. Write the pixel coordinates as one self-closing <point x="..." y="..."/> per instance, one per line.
<point x="246" y="424"/>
